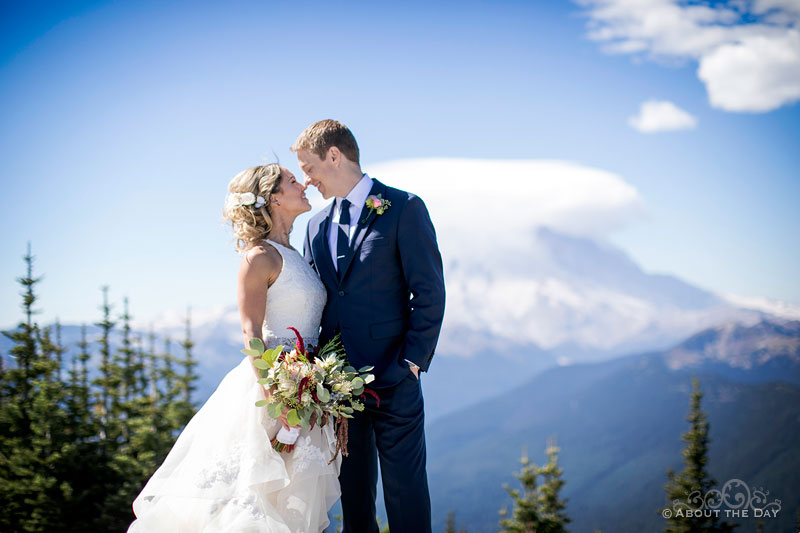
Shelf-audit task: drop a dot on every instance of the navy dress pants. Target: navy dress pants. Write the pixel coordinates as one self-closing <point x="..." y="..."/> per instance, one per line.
<point x="393" y="433"/>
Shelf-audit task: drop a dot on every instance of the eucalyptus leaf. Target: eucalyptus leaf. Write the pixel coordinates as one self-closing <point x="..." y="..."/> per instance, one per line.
<point x="256" y="344"/>
<point x="306" y="414"/>
<point x="369" y="378"/>
<point x="292" y="418"/>
<point x="275" y="409"/>
<point x="251" y="353"/>
<point x="350" y="370"/>
<point x="358" y="392"/>
<point x="357" y="383"/>
<point x="365" y="369"/>
<point x="260" y="363"/>
<point x="323" y="394"/>
<point x="261" y="403"/>
<point x="263" y="381"/>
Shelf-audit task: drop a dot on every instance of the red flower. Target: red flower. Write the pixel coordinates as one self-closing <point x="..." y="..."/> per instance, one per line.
<point x="301" y="347"/>
<point x="373" y="394"/>
<point x="303" y="383"/>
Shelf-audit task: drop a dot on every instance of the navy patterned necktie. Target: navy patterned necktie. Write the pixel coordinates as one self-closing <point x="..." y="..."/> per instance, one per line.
<point x="343" y="239"/>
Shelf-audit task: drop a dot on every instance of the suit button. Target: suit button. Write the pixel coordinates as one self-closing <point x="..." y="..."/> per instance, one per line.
<point x="341" y="293"/>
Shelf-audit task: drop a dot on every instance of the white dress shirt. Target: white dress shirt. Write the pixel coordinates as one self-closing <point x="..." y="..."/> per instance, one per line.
<point x="357" y="198"/>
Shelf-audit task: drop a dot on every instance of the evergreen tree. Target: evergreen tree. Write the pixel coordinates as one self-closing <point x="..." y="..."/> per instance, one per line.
<point x="53" y="442"/>
<point x="27" y="483"/>
<point x="450" y="524"/>
<point x="695" y="475"/>
<point x="74" y="453"/>
<point x="125" y="359"/>
<point x="83" y="361"/>
<point x="186" y="380"/>
<point x="107" y="382"/>
<point x="552" y="508"/>
<point x="167" y="404"/>
<point x="59" y="349"/>
<point x="141" y="369"/>
<point x="83" y="467"/>
<point x="537" y="507"/>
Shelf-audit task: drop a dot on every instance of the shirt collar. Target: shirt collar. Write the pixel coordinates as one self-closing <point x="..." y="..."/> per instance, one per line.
<point x="358" y="194"/>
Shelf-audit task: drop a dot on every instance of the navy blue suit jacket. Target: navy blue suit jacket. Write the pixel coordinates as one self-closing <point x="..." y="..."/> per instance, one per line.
<point x="389" y="304"/>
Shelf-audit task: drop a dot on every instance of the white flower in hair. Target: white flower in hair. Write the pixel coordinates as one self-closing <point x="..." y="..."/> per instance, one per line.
<point x="239" y="199"/>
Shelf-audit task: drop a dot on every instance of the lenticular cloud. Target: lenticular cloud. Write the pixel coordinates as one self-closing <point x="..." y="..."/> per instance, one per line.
<point x="499" y="200"/>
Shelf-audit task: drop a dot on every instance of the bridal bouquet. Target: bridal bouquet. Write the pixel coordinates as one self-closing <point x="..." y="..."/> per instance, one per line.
<point x="312" y="386"/>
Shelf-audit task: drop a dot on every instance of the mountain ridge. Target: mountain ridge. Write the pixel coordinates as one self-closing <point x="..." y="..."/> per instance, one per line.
<point x="618" y="424"/>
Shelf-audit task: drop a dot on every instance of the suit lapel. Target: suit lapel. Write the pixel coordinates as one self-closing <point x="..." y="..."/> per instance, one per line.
<point x="365" y="221"/>
<point x="321" y="249"/>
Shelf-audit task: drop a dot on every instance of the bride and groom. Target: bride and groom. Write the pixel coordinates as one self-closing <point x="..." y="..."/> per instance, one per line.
<point x="371" y="271"/>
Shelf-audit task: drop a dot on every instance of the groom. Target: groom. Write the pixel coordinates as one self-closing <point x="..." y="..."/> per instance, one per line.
<point x="375" y="250"/>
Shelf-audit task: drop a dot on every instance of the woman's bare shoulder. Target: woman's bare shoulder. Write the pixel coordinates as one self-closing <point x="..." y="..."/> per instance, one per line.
<point x="263" y="259"/>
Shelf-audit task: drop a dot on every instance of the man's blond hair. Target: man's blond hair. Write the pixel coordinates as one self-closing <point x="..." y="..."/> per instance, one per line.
<point x="319" y="137"/>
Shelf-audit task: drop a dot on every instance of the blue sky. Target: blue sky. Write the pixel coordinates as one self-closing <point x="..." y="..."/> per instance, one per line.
<point x="123" y="122"/>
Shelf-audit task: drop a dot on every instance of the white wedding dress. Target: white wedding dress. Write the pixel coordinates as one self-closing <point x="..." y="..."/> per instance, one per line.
<point x="223" y="474"/>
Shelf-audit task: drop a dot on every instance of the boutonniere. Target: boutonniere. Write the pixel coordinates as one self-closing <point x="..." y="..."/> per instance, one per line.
<point x="376" y="203"/>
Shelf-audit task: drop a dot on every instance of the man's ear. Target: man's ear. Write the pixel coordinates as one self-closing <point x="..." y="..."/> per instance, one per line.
<point x="335" y="155"/>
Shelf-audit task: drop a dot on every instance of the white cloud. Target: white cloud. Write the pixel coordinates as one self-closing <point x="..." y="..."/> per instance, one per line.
<point x="480" y="199"/>
<point x="773" y="67"/>
<point x="661" y="115"/>
<point x="745" y="67"/>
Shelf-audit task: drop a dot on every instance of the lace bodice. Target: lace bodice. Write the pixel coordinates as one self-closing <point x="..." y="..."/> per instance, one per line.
<point x="296" y="299"/>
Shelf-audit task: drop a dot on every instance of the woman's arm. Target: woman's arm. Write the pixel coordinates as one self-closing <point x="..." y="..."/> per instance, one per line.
<point x="258" y="270"/>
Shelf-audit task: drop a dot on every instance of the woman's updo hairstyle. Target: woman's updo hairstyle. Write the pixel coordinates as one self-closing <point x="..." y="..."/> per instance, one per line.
<point x="247" y="204"/>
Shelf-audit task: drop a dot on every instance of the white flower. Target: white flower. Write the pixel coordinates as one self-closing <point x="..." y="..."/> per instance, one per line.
<point x="239" y="199"/>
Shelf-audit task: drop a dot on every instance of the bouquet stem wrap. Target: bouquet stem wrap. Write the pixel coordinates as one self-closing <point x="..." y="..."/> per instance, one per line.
<point x="285" y="439"/>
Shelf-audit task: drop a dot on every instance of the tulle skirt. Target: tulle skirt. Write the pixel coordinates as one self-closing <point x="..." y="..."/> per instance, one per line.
<point x="223" y="474"/>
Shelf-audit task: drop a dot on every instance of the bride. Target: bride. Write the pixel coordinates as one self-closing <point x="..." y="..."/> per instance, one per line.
<point x="223" y="474"/>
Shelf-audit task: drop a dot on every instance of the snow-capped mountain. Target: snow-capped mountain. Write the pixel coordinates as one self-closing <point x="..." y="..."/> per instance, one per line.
<point x="569" y="295"/>
<point x="757" y="347"/>
<point x="577" y="298"/>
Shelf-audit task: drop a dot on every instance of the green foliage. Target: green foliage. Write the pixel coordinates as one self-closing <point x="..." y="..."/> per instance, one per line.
<point x="450" y="525"/>
<point x="74" y="453"/>
<point x="695" y="476"/>
<point x="537" y="507"/>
